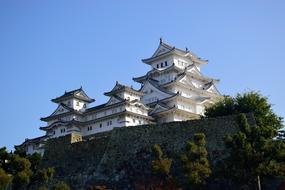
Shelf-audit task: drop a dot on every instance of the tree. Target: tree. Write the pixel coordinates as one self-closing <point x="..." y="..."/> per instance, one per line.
<point x="245" y="103"/>
<point x="5" y="179"/>
<point x="161" y="165"/>
<point x="253" y="153"/>
<point x="61" y="186"/>
<point x="23" y="170"/>
<point x="4" y="156"/>
<point x="195" y="162"/>
<point x="35" y="160"/>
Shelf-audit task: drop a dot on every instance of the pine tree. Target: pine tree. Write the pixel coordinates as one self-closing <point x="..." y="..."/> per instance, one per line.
<point x="253" y="154"/>
<point x="161" y="165"/>
<point x="195" y="162"/>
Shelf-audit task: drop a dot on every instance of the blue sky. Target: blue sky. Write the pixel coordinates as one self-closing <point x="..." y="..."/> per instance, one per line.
<point x="47" y="47"/>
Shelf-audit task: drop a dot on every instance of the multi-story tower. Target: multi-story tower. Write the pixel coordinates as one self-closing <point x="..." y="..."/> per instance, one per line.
<point x="175" y="88"/>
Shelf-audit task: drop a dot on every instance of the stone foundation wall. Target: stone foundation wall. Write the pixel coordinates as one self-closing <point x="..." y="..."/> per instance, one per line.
<point x="119" y="157"/>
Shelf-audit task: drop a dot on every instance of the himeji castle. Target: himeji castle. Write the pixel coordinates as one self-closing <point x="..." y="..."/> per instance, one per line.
<point x="173" y="90"/>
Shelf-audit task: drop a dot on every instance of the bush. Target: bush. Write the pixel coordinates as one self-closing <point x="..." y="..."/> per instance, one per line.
<point x="5" y="179"/>
<point x="61" y="186"/>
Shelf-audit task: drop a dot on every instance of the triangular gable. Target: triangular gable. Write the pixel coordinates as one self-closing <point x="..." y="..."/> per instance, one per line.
<point x="213" y="89"/>
<point x="158" y="108"/>
<point x="193" y="69"/>
<point x="113" y="100"/>
<point x="82" y="94"/>
<point x="153" y="93"/>
<point x="60" y="109"/>
<point x="161" y="50"/>
<point x="187" y="81"/>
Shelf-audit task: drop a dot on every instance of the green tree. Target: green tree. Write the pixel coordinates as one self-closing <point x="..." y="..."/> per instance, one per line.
<point x="244" y="103"/>
<point x="195" y="162"/>
<point x="5" y="179"/>
<point x="61" y="186"/>
<point x="4" y="156"/>
<point x="161" y="165"/>
<point x="253" y="153"/>
<point x="23" y="169"/>
<point x="35" y="160"/>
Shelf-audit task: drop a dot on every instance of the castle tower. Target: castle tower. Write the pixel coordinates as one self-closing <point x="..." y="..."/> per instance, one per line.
<point x="175" y="88"/>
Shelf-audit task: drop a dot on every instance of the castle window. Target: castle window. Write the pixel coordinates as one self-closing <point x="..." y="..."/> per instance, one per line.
<point x="62" y="130"/>
<point x="68" y="103"/>
<point x="77" y="103"/>
<point x="100" y="125"/>
<point x="157" y="66"/>
<point x="89" y="128"/>
<point x="109" y="123"/>
<point x="161" y="64"/>
<point x="134" y="120"/>
<point x="165" y="63"/>
<point x="140" y="122"/>
<point x="84" y="106"/>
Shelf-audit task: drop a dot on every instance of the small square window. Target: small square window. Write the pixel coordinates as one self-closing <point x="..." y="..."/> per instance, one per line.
<point x="100" y="125"/>
<point x="157" y="66"/>
<point x="165" y="63"/>
<point x="161" y="64"/>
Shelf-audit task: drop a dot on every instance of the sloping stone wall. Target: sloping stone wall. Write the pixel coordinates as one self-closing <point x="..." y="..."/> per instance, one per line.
<point x="117" y="158"/>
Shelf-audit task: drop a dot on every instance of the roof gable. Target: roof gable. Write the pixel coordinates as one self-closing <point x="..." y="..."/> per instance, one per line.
<point x="114" y="100"/>
<point x="193" y="69"/>
<point x="119" y="88"/>
<point x="159" y="108"/>
<point x="77" y="94"/>
<point x="61" y="108"/>
<point x="153" y="92"/>
<point x="162" y="49"/>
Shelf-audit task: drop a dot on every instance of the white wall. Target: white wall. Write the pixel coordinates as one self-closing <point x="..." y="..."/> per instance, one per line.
<point x="169" y="60"/>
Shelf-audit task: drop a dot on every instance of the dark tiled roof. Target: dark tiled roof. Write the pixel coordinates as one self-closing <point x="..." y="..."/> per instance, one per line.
<point x="119" y="87"/>
<point x="34" y="140"/>
<point x="73" y="121"/>
<point x="72" y="94"/>
<point x="95" y="107"/>
<point x="170" y="49"/>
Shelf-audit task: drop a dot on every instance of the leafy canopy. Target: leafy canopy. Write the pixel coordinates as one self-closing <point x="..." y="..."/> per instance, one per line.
<point x="245" y="103"/>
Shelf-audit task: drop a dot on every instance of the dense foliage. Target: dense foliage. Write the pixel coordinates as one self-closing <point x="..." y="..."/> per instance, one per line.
<point x="20" y="171"/>
<point x="195" y="162"/>
<point x="254" y="152"/>
<point x="246" y="103"/>
<point x="161" y="165"/>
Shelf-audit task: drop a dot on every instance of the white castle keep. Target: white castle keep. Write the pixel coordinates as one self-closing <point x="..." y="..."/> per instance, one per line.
<point x="173" y="90"/>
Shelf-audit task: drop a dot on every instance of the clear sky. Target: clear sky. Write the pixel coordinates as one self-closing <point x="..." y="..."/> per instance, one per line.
<point x="49" y="46"/>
